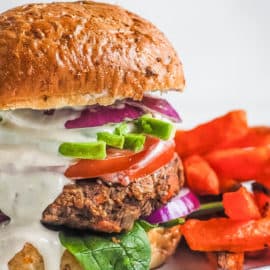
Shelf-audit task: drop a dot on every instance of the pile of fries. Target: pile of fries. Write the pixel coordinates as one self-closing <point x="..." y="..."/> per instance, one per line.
<point x="218" y="156"/>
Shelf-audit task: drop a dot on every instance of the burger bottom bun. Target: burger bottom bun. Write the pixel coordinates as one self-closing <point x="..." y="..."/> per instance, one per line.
<point x="163" y="244"/>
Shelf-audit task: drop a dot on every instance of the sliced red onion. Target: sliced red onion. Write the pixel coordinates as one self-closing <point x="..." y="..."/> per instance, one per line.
<point x="181" y="205"/>
<point x="156" y="105"/>
<point x="4" y="219"/>
<point x="95" y="116"/>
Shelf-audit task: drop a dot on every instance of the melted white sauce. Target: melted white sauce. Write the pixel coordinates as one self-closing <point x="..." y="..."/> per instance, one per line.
<point x="29" y="158"/>
<point x="40" y="119"/>
<point x="24" y="196"/>
<point x="31" y="177"/>
<point x="32" y="139"/>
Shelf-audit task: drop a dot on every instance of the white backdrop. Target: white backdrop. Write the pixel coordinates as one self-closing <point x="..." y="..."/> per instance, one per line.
<point x="225" y="48"/>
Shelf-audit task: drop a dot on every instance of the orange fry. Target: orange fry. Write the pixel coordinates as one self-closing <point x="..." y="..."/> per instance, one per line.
<point x="222" y="234"/>
<point x="227" y="184"/>
<point x="263" y="202"/>
<point x="256" y="136"/>
<point x="208" y="136"/>
<point x="265" y="181"/>
<point x="240" y="205"/>
<point x="200" y="177"/>
<point x="241" y="163"/>
<point x="226" y="260"/>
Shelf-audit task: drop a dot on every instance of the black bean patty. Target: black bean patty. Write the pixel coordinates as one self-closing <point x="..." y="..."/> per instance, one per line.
<point x="96" y="205"/>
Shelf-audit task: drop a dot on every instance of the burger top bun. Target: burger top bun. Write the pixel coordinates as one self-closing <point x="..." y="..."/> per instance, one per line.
<point x="81" y="53"/>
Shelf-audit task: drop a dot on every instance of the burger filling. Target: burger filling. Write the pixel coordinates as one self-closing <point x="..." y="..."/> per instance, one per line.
<point x="93" y="204"/>
<point x="99" y="169"/>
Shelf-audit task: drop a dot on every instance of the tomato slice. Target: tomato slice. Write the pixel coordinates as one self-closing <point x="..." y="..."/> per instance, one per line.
<point x="123" y="166"/>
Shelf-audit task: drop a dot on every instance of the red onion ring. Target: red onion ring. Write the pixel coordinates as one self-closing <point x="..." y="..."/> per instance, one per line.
<point x="156" y="105"/>
<point x="95" y="116"/>
<point x="181" y="205"/>
<point x="4" y="219"/>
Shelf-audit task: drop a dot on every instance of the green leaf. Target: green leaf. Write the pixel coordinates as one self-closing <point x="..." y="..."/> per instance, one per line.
<point x="127" y="251"/>
<point x="91" y="150"/>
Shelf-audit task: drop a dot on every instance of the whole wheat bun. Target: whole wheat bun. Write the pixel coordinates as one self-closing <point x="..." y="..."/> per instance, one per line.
<point x="70" y="54"/>
<point x="163" y="244"/>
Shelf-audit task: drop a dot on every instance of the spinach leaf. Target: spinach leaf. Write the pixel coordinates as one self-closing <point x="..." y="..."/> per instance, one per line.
<point x="127" y="251"/>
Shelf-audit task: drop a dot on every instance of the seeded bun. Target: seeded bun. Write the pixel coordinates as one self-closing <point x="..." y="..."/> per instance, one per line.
<point x="80" y="53"/>
<point x="163" y="244"/>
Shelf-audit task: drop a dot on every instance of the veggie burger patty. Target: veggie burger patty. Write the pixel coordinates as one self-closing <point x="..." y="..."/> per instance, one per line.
<point x="93" y="204"/>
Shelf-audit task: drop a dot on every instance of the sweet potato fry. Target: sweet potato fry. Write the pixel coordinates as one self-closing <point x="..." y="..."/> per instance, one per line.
<point x="256" y="136"/>
<point x="230" y="261"/>
<point x="262" y="198"/>
<point x="226" y="260"/>
<point x="223" y="234"/>
<point x="241" y="163"/>
<point x="200" y="177"/>
<point x="263" y="202"/>
<point x="265" y="181"/>
<point x="240" y="205"/>
<point x="208" y="136"/>
<point x="227" y="185"/>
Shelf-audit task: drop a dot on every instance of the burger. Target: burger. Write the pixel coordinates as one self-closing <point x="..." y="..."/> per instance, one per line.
<point x="87" y="160"/>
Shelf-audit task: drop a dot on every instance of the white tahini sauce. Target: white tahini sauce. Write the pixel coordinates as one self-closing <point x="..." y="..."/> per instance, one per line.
<point x="23" y="197"/>
<point x="31" y="177"/>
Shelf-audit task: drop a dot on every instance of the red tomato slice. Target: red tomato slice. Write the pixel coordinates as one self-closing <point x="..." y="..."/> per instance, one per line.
<point x="122" y="164"/>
